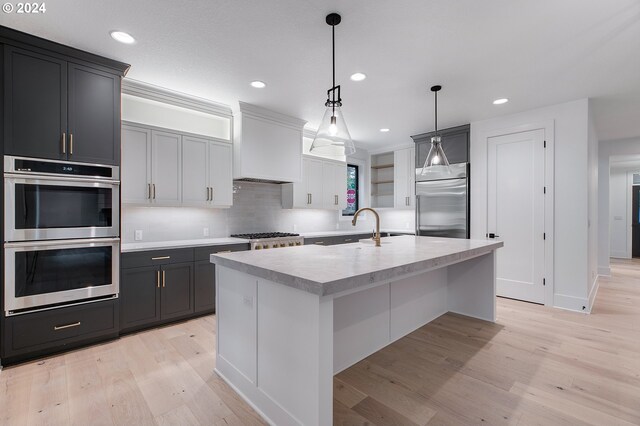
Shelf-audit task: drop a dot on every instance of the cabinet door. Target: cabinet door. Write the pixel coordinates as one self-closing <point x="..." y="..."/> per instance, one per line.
<point x="313" y="175"/>
<point x="94" y="115"/>
<point x="166" y="176"/>
<point x="340" y="184"/>
<point x="35" y="104"/>
<point x="400" y="172"/>
<point x="329" y="194"/>
<point x="177" y="290"/>
<point x="220" y="174"/>
<point x="139" y="296"/>
<point x="204" y="286"/>
<point x="135" y="172"/>
<point x="194" y="171"/>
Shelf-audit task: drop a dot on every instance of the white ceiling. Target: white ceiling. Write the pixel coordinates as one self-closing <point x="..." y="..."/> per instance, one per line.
<point x="535" y="52"/>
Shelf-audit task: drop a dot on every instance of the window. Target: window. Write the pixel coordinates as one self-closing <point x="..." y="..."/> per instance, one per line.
<point x="353" y="194"/>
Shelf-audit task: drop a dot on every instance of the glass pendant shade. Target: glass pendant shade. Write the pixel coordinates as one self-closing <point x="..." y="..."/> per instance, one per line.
<point x="436" y="161"/>
<point x="333" y="138"/>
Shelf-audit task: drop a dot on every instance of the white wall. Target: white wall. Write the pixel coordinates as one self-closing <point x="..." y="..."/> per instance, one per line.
<point x="592" y="219"/>
<point x="606" y="150"/>
<point x="571" y="215"/>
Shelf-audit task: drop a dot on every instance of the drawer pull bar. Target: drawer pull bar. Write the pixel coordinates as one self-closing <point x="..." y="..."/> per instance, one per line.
<point x="161" y="258"/>
<point x="319" y="242"/>
<point x="224" y="251"/>
<point x="62" y="327"/>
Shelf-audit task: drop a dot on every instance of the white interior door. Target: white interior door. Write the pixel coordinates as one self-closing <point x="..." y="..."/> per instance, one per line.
<point x="516" y="212"/>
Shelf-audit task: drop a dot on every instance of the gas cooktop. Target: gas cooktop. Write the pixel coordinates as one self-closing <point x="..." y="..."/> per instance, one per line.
<point x="263" y="235"/>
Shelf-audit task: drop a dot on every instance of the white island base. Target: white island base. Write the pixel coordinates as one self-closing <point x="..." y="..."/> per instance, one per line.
<point x="279" y="346"/>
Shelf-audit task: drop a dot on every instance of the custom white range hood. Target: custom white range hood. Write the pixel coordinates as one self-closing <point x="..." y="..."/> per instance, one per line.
<point x="267" y="145"/>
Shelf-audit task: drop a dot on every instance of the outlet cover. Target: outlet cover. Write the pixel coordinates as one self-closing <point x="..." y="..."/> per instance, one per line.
<point x="205" y="232"/>
<point x="138" y="235"/>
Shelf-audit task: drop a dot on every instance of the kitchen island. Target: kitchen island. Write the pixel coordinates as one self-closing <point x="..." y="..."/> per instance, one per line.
<point x="289" y="319"/>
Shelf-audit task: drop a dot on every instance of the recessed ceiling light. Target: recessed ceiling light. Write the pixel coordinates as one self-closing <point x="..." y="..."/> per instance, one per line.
<point x="500" y="101"/>
<point x="258" y="84"/>
<point x="385" y="130"/>
<point x="122" y="37"/>
<point x="358" y="76"/>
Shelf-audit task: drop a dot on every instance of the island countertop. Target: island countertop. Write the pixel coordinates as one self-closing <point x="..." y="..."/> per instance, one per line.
<point x="333" y="269"/>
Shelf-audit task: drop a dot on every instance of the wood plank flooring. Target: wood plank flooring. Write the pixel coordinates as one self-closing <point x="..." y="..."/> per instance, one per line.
<point x="535" y="366"/>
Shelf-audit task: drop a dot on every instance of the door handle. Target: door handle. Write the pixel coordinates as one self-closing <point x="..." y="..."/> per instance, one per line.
<point x="208" y="197"/>
<point x="336" y="200"/>
<point x="149" y="191"/>
<point x="62" y="327"/>
<point x="213" y="193"/>
<point x="158" y="278"/>
<point x="154" y="190"/>
<point x="308" y="198"/>
<point x="70" y="143"/>
<point x="64" y="143"/>
<point x="163" y="278"/>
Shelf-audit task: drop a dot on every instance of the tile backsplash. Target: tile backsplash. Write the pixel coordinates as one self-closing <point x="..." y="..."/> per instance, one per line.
<point x="256" y="208"/>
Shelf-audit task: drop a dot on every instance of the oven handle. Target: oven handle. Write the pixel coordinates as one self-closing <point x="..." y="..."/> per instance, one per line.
<point x="23" y="178"/>
<point x="64" y="243"/>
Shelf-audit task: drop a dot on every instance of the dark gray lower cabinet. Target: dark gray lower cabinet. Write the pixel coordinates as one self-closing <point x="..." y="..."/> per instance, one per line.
<point x="40" y="333"/>
<point x="205" y="286"/>
<point x="176" y="295"/>
<point x="338" y="239"/>
<point x="166" y="285"/>
<point x="139" y="296"/>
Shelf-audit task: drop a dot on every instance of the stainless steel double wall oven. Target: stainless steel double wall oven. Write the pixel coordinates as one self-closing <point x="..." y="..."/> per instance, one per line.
<point x="61" y="233"/>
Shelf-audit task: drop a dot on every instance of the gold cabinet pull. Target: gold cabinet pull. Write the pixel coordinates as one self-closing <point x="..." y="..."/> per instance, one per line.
<point x="163" y="278"/>
<point x="71" y="143"/>
<point x="319" y="242"/>
<point x="161" y="258"/>
<point x="346" y="240"/>
<point x="62" y="327"/>
<point x="224" y="251"/>
<point x="158" y="278"/>
<point x="64" y="143"/>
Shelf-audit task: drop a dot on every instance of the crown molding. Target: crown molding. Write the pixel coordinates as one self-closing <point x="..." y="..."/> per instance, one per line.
<point x="260" y="113"/>
<point x="167" y="96"/>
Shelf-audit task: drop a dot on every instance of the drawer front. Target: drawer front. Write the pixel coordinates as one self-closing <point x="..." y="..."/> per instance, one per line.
<point x="202" y="253"/>
<point x="156" y="257"/>
<point x="321" y="241"/>
<point x="58" y="327"/>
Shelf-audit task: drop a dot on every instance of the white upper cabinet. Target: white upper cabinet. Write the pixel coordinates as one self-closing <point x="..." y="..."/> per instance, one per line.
<point x="136" y="165"/>
<point x="334" y="179"/>
<point x="220" y="174"/>
<point x="163" y="168"/>
<point x="404" y="178"/>
<point x="195" y="165"/>
<point x="267" y="145"/>
<point x="166" y="168"/>
<point x="323" y="186"/>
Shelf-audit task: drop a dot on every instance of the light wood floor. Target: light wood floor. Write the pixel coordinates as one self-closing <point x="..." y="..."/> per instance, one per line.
<point x="534" y="366"/>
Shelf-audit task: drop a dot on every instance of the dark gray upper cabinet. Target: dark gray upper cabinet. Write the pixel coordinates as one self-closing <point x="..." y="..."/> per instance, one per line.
<point x="35" y="104"/>
<point x="59" y="102"/>
<point x="455" y="142"/>
<point x="94" y="115"/>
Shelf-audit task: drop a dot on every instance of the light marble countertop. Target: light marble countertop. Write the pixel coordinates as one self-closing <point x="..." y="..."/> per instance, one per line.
<point x="329" y="270"/>
<point x="153" y="245"/>
<point x="337" y="233"/>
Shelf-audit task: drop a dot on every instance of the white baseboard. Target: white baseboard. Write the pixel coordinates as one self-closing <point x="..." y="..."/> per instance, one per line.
<point x="619" y="255"/>
<point x="594" y="292"/>
<point x="604" y="271"/>
<point x="571" y="303"/>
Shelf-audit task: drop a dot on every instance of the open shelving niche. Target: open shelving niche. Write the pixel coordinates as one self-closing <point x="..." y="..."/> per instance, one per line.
<point x="382" y="180"/>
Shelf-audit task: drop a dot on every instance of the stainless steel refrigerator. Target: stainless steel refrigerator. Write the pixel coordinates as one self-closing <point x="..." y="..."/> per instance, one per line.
<point x="442" y="202"/>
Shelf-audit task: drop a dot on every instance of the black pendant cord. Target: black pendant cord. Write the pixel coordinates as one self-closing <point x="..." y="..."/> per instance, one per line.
<point x="436" y="113"/>
<point x="333" y="61"/>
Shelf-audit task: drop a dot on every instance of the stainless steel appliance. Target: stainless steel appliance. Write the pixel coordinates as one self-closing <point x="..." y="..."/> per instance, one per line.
<point x="49" y="199"/>
<point x="267" y="240"/>
<point x="45" y="274"/>
<point x="442" y="203"/>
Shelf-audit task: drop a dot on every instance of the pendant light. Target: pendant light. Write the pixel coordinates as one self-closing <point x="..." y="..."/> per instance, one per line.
<point x="436" y="161"/>
<point x="333" y="137"/>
